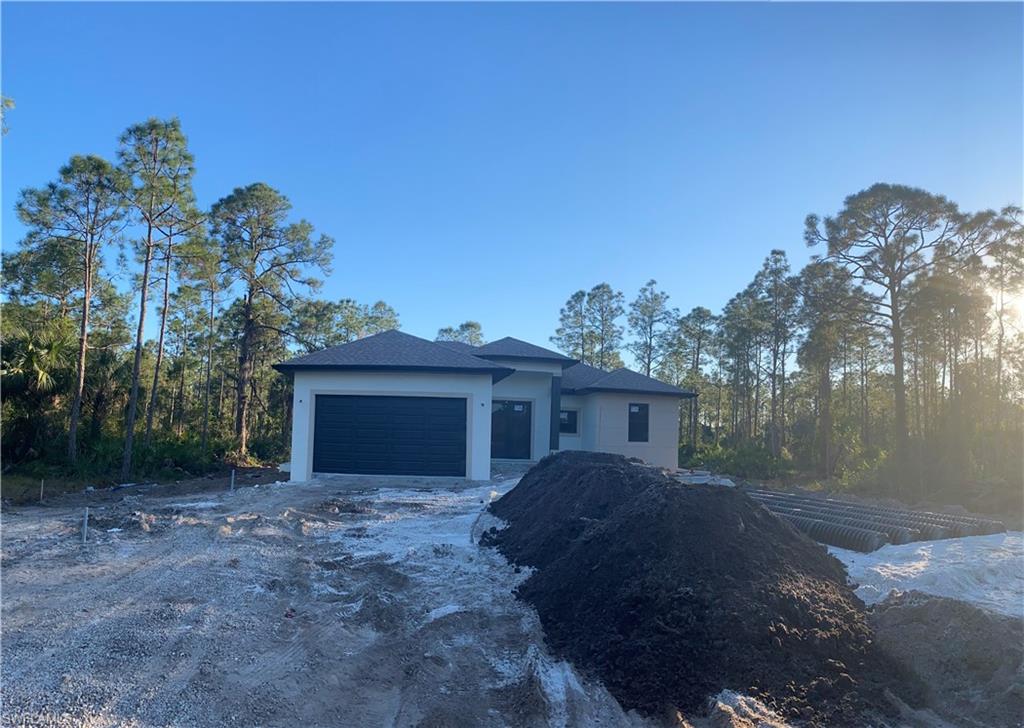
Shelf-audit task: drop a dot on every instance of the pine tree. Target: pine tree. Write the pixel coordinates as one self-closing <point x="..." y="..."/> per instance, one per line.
<point x="651" y="322"/>
<point x="83" y="211"/>
<point x="602" y="311"/>
<point x="154" y="156"/>
<point x="269" y="256"/>
<point x="468" y="332"/>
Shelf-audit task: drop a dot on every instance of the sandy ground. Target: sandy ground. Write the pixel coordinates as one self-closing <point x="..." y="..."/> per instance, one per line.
<point x="342" y="602"/>
<point x="314" y="605"/>
<point x="987" y="571"/>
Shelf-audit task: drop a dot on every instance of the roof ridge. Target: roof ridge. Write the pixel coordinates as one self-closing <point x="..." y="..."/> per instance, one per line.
<point x="605" y="374"/>
<point x="329" y="356"/>
<point x="621" y="379"/>
<point x="513" y="348"/>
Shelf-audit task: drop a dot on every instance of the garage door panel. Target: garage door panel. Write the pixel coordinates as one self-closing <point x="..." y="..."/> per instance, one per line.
<point x="401" y="450"/>
<point x="403" y="420"/>
<point x="441" y="438"/>
<point x="390" y="435"/>
<point x="407" y="442"/>
<point x="447" y="425"/>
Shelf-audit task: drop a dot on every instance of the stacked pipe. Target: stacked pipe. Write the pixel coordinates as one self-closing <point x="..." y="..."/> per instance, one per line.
<point x="893" y="532"/>
<point x="955" y="525"/>
<point x="945" y="525"/>
<point x="894" y="525"/>
<point x="836" y="534"/>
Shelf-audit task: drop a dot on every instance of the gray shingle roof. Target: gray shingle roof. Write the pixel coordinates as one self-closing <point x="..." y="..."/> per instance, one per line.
<point x="580" y="376"/>
<point x="396" y="351"/>
<point x="584" y="379"/>
<point x="458" y="346"/>
<point x="516" y="349"/>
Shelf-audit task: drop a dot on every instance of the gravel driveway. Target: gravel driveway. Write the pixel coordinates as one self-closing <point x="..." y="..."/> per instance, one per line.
<point x="312" y="605"/>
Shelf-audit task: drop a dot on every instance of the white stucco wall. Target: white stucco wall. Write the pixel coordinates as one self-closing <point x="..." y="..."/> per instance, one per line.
<point x="476" y="388"/>
<point x="535" y="387"/>
<point x="604" y="426"/>
<point x="529" y="365"/>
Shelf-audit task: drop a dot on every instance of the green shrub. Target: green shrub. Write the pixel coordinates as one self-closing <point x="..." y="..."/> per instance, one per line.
<point x="268" y="449"/>
<point x="165" y="457"/>
<point x="745" y="461"/>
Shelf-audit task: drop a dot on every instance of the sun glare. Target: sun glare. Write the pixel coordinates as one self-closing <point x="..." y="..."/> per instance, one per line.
<point x="1014" y="303"/>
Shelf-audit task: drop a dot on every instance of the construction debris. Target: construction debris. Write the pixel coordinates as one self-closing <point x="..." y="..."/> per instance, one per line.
<point x="703" y="477"/>
<point x="671" y="593"/>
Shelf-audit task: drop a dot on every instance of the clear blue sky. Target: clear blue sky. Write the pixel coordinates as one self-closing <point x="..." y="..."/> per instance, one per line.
<point x="484" y="161"/>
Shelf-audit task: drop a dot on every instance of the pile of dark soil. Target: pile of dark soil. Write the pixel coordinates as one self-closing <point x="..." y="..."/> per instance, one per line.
<point x="970" y="661"/>
<point x="557" y="499"/>
<point x="671" y="593"/>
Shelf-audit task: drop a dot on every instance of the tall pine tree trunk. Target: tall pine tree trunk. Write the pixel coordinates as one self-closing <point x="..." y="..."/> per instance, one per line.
<point x="782" y="398"/>
<point x="694" y="402"/>
<point x="159" y="348"/>
<point x="1000" y="336"/>
<point x="773" y="436"/>
<point x="863" y="397"/>
<point x="244" y="377"/>
<point x="825" y="420"/>
<point x="180" y="403"/>
<point x="757" y="391"/>
<point x="918" y="396"/>
<point x="718" y="410"/>
<point x="182" y="399"/>
<point x="83" y="345"/>
<point x="206" y="384"/>
<point x="694" y="422"/>
<point x="220" y="400"/>
<point x="899" y="386"/>
<point x="133" y="399"/>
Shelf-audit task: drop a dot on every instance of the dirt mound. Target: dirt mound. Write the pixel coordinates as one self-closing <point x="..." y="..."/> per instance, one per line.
<point x="135" y="521"/>
<point x="342" y="506"/>
<point x="673" y="593"/>
<point x="560" y="497"/>
<point x="969" y="659"/>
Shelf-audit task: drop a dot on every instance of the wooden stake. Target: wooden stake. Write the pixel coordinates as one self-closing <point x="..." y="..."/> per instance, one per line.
<point x="232" y="478"/>
<point x="41" y="481"/>
<point x="85" y="525"/>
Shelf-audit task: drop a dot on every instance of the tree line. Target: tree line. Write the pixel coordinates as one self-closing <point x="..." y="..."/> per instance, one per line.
<point x="893" y="361"/>
<point x="233" y="287"/>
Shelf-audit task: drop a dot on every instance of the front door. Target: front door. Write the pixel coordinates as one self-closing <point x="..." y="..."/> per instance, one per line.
<point x="510" y="429"/>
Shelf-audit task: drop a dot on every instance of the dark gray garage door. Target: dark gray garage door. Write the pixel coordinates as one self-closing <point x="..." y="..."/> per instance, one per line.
<point x="390" y="435"/>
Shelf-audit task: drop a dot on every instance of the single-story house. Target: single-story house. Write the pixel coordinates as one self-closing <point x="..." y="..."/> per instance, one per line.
<point x="396" y="404"/>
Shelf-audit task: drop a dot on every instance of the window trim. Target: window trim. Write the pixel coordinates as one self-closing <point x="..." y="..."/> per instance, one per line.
<point x="576" y="432"/>
<point x="629" y="422"/>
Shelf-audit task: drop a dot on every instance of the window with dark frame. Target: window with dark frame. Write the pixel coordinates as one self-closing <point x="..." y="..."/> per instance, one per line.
<point x="639" y="415"/>
<point x="569" y="422"/>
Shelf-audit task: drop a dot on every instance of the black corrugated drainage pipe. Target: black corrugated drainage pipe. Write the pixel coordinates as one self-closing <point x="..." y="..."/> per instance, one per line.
<point x="928" y="529"/>
<point x="933" y="525"/>
<point x="846" y="537"/>
<point x="896" y="534"/>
